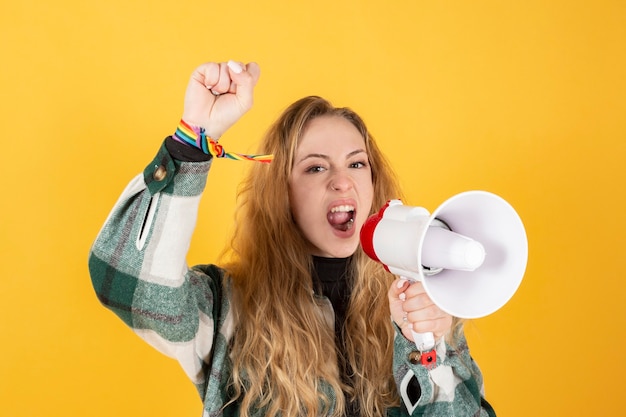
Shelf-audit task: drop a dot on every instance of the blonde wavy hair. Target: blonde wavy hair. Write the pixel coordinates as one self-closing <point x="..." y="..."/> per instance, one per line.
<point x="285" y="359"/>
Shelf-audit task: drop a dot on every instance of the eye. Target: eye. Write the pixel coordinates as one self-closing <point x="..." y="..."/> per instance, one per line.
<point x="314" y="169"/>
<point x="358" y="164"/>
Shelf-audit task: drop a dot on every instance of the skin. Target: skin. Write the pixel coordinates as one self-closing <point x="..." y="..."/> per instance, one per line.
<point x="422" y="314"/>
<point x="329" y="170"/>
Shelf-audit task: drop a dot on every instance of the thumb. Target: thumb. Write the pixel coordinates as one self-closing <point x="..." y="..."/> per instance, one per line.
<point x="245" y="78"/>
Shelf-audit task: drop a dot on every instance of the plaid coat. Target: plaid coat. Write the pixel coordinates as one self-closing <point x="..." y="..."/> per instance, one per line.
<point x="138" y="269"/>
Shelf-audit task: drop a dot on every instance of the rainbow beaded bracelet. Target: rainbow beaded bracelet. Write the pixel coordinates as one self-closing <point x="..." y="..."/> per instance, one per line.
<point x="195" y="136"/>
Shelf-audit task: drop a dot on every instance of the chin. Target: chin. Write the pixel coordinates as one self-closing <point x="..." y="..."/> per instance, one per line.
<point x="338" y="252"/>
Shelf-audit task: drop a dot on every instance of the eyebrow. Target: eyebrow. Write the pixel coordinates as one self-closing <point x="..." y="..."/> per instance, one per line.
<point x="326" y="157"/>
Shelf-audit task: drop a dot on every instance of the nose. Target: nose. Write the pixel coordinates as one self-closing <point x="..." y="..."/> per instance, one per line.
<point x="341" y="181"/>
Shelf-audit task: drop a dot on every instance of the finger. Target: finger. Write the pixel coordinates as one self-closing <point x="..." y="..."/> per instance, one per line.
<point x="397" y="293"/>
<point x="235" y="68"/>
<point x="438" y="327"/>
<point x="431" y="312"/>
<point x="245" y="78"/>
<point x="416" y="289"/>
<point x="417" y="302"/>
<point x="426" y="326"/>
<point x="396" y="299"/>
<point x="398" y="288"/>
<point x="223" y="81"/>
<point x="207" y="74"/>
<point x="254" y="71"/>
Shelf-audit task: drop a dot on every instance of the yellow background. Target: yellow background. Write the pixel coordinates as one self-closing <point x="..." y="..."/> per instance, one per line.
<point x="522" y="98"/>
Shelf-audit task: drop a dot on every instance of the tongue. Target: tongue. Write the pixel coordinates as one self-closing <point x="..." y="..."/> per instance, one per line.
<point x="339" y="220"/>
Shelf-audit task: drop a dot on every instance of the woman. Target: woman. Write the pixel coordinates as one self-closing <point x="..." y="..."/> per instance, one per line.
<point x="296" y="320"/>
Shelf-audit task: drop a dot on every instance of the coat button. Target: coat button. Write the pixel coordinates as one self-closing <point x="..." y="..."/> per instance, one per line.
<point x="160" y="173"/>
<point x="414" y="357"/>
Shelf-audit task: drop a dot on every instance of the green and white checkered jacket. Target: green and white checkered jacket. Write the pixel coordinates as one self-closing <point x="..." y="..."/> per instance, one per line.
<point x="138" y="269"/>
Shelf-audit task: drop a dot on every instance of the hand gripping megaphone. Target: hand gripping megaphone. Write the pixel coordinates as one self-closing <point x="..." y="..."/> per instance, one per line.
<point x="470" y="254"/>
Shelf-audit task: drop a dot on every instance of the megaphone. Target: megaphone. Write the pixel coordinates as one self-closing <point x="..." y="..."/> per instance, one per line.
<point x="470" y="254"/>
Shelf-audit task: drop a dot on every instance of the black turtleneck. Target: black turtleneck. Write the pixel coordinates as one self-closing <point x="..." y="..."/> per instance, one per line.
<point x="331" y="279"/>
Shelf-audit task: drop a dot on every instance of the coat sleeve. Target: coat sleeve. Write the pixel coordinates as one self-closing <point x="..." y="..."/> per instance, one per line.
<point x="139" y="271"/>
<point x="452" y="386"/>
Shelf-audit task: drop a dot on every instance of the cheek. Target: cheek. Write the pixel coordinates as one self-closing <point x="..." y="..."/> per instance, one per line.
<point x="367" y="194"/>
<point x="298" y="203"/>
<point x="304" y="219"/>
<point x="296" y="211"/>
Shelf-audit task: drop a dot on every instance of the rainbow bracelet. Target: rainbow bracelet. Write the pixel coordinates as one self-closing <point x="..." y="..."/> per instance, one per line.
<point x="196" y="137"/>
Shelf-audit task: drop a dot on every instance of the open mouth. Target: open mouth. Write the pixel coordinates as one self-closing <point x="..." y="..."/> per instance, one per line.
<point x="341" y="217"/>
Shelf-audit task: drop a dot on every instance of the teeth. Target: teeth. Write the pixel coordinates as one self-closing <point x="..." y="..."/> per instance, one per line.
<point x="345" y="208"/>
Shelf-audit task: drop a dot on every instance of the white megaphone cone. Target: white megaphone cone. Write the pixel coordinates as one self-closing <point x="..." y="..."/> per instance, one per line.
<point x="470" y="254"/>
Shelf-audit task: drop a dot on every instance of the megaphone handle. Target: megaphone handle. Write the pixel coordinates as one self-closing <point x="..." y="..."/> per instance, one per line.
<point x="423" y="341"/>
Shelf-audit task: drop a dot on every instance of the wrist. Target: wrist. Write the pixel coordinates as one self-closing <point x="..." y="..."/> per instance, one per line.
<point x="192" y="135"/>
<point x="198" y="122"/>
<point x="196" y="137"/>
